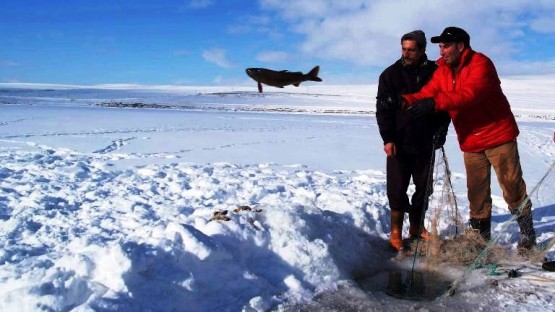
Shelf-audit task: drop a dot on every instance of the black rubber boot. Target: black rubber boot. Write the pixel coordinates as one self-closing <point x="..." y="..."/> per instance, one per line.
<point x="549" y="266"/>
<point x="483" y="226"/>
<point x="417" y="229"/>
<point x="527" y="239"/>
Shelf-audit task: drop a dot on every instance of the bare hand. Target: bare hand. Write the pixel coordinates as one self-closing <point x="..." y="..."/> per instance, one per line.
<point x="390" y="149"/>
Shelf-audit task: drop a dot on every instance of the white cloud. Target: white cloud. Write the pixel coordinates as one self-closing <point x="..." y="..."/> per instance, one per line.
<point x="367" y="32"/>
<point x="8" y="63"/>
<point x="527" y="67"/>
<point x="544" y="24"/>
<point x="273" y="57"/>
<point x="264" y="25"/>
<point x="259" y="20"/>
<point x="246" y="24"/>
<point x="218" y="57"/>
<point x="298" y="9"/>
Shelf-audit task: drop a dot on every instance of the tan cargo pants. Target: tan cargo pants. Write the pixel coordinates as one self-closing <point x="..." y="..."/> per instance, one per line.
<point x="506" y="163"/>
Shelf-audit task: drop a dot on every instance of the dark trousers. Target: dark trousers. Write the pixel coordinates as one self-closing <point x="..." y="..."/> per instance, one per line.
<point x="400" y="169"/>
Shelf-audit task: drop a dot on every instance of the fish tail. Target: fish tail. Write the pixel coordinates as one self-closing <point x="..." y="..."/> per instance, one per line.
<point x="313" y="74"/>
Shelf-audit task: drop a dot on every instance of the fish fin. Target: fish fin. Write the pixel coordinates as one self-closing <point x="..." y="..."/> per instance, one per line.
<point x="259" y="87"/>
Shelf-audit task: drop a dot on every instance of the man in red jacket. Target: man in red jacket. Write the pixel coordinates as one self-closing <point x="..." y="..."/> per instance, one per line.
<point x="467" y="86"/>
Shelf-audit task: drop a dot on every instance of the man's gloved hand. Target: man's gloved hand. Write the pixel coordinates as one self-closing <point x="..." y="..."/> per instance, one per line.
<point x="440" y="137"/>
<point x="420" y="108"/>
<point x="389" y="103"/>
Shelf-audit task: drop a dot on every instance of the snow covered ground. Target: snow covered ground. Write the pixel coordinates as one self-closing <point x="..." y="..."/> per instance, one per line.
<point x="167" y="198"/>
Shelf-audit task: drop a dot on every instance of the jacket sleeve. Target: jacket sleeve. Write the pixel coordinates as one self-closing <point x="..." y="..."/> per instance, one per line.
<point x="385" y="116"/>
<point x="429" y="90"/>
<point x="468" y="88"/>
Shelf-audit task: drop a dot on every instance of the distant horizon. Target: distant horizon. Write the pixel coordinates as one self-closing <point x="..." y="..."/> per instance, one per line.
<point x="252" y="84"/>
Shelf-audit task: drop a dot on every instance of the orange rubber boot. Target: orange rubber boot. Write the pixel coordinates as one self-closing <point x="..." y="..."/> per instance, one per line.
<point x="396" y="235"/>
<point x="413" y="231"/>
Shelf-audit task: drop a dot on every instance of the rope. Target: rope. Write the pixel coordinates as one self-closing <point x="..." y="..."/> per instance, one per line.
<point x="429" y="187"/>
<point x="452" y="196"/>
<point x="492" y="242"/>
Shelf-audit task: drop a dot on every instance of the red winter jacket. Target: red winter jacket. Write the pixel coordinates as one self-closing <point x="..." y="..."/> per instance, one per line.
<point x="473" y="98"/>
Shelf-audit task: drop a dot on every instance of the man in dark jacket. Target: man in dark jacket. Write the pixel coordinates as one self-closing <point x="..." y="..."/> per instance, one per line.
<point x="408" y="143"/>
<point x="466" y="85"/>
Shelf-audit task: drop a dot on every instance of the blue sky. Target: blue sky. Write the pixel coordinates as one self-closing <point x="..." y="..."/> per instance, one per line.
<point x="211" y="42"/>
